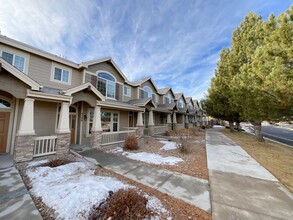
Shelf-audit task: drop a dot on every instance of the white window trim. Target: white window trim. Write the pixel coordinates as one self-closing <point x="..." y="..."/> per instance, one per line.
<point x="55" y="65"/>
<point x="103" y="71"/>
<point x="111" y="120"/>
<point x="14" y="53"/>
<point x="128" y="87"/>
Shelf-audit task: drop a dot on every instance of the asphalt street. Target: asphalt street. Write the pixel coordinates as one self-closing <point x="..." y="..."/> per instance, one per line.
<point x="282" y="135"/>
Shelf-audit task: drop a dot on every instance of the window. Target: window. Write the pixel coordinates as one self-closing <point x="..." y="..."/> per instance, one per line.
<point x="127" y="91"/>
<point x="148" y="92"/>
<point x="4" y="104"/>
<point x="109" y="121"/>
<point x="181" y="103"/>
<point x="15" y="60"/>
<point x="106" y="84"/>
<point x="61" y="75"/>
<point x="190" y="106"/>
<point x="168" y="99"/>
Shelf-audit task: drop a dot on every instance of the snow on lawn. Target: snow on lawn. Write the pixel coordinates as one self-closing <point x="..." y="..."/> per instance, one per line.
<point x="218" y="126"/>
<point x="153" y="158"/>
<point x="169" y="145"/>
<point x="73" y="189"/>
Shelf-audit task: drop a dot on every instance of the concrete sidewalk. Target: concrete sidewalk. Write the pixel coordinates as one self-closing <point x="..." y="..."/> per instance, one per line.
<point x="240" y="187"/>
<point x="192" y="190"/>
<point x="15" y="201"/>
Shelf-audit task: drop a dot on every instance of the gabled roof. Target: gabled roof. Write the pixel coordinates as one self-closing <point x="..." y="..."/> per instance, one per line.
<point x="140" y="82"/>
<point x="106" y="59"/>
<point x="39" y="52"/>
<point x="19" y="75"/>
<point x="141" y="102"/>
<point x="178" y="95"/>
<point x="171" y="106"/>
<point x="120" y="105"/>
<point x="82" y="87"/>
<point x="164" y="91"/>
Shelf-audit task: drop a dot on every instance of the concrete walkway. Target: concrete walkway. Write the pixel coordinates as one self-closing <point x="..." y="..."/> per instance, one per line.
<point x="192" y="190"/>
<point x="240" y="187"/>
<point x="15" y="201"/>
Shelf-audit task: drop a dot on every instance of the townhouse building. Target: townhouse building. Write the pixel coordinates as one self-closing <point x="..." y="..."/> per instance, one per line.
<point x="48" y="102"/>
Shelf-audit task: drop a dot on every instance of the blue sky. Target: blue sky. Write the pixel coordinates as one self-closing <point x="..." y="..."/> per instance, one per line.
<point x="176" y="42"/>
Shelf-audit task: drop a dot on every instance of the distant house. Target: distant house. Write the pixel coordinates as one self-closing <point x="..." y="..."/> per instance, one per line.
<point x="48" y="102"/>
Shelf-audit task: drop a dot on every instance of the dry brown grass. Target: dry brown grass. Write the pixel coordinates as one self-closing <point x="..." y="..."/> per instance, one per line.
<point x="56" y="163"/>
<point x="278" y="159"/>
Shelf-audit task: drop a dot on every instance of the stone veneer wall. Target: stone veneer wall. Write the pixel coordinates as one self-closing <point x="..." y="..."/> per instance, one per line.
<point x="151" y="130"/>
<point x="62" y="143"/>
<point x="96" y="139"/>
<point x="140" y="131"/>
<point x="24" y="148"/>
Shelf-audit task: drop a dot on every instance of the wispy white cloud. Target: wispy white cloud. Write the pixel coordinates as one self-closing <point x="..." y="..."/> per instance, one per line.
<point x="177" y="42"/>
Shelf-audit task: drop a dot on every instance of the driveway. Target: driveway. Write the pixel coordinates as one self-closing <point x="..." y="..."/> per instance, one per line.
<point x="240" y="187"/>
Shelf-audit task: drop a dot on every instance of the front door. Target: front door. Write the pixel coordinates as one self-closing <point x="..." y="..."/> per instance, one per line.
<point x="72" y="124"/>
<point x="4" y="123"/>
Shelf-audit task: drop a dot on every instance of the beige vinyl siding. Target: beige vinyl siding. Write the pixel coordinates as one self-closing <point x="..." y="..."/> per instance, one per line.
<point x="161" y="99"/>
<point x="108" y="68"/>
<point x="45" y="118"/>
<point x="123" y="120"/>
<point x="133" y="94"/>
<point x="12" y="85"/>
<point x="86" y="97"/>
<point x="40" y="70"/>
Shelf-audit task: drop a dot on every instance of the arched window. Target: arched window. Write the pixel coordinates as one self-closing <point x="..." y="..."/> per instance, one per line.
<point x="106" y="84"/>
<point x="181" y="103"/>
<point x="4" y="104"/>
<point x="168" y="98"/>
<point x="148" y="92"/>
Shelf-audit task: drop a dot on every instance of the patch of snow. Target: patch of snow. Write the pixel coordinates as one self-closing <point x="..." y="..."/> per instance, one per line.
<point x="153" y="158"/>
<point x="155" y="205"/>
<point x="71" y="189"/>
<point x="218" y="126"/>
<point x="200" y="141"/>
<point x="248" y="129"/>
<point x="37" y="163"/>
<point x="169" y="145"/>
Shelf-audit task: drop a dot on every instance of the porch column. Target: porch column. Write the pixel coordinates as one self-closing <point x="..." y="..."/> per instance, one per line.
<point x="169" y="122"/>
<point x="174" y="120"/>
<point x="24" y="141"/>
<point x="26" y="126"/>
<point x="96" y="135"/>
<point x="186" y="121"/>
<point x="151" y="124"/>
<point x="63" y="130"/>
<point x="139" y="124"/>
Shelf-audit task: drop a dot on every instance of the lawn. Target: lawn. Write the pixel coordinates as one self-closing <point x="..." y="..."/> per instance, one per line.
<point x="276" y="158"/>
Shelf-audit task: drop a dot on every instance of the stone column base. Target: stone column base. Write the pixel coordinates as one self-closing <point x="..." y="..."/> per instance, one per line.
<point x="151" y="130"/>
<point x="62" y="143"/>
<point x="186" y="125"/>
<point x="96" y="139"/>
<point x="24" y="148"/>
<point x="140" y="131"/>
<point x="174" y="126"/>
<point x="169" y="127"/>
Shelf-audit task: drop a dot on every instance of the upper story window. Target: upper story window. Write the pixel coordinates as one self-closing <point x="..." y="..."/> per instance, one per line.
<point x="181" y="103"/>
<point x="148" y="92"/>
<point x="190" y="106"/>
<point x="61" y="75"/>
<point x="15" y="60"/>
<point x="127" y="91"/>
<point x="106" y="84"/>
<point x="168" y="98"/>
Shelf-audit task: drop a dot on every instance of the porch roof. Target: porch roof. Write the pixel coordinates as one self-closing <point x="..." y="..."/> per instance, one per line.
<point x="120" y="105"/>
<point x="19" y="75"/>
<point x="166" y="107"/>
<point x="141" y="102"/>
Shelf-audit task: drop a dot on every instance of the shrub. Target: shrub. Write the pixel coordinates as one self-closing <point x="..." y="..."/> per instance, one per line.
<point x="203" y="127"/>
<point x="167" y="133"/>
<point x="123" y="204"/>
<point x="56" y="163"/>
<point x="130" y="143"/>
